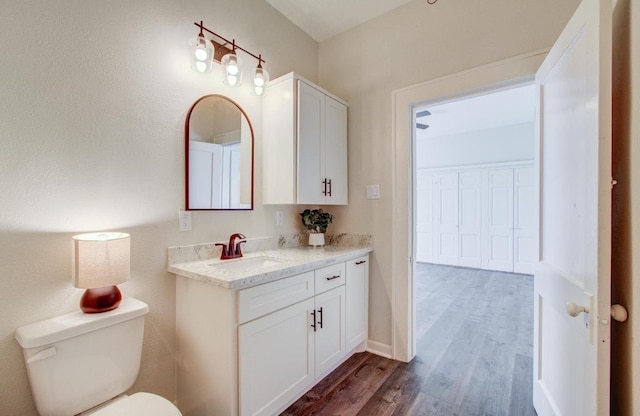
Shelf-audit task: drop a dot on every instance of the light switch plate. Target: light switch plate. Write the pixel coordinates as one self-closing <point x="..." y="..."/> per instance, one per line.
<point x="373" y="191"/>
<point x="184" y="220"/>
<point x="279" y="217"/>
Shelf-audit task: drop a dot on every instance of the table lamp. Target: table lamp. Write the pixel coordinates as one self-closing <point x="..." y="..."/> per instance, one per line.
<point x="100" y="262"/>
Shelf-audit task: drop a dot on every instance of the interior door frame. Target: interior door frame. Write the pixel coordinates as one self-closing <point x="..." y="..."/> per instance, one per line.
<point x="502" y="74"/>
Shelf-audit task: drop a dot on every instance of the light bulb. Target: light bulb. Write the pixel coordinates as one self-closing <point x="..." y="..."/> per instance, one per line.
<point x="260" y="79"/>
<point x="202" y="54"/>
<point x="232" y="80"/>
<point x="231" y="66"/>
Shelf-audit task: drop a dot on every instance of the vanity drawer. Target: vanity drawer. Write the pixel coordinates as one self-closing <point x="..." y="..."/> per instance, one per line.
<point x="263" y="299"/>
<point x="329" y="277"/>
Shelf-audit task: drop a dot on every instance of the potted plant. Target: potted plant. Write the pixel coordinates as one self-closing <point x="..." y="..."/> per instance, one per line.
<point x="316" y="222"/>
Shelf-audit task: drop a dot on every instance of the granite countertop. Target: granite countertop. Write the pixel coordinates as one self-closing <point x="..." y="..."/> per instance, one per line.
<point x="264" y="262"/>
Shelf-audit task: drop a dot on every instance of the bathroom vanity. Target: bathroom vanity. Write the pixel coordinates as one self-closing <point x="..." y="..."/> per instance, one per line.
<point x="254" y="334"/>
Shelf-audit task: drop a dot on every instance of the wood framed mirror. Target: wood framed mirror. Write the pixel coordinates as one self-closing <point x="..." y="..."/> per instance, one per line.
<point x="219" y="144"/>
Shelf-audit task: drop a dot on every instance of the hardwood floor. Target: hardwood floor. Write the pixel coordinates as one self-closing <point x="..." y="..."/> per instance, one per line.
<point x="474" y="334"/>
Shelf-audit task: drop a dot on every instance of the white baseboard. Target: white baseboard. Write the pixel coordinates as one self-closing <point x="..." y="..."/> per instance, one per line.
<point x="379" y="348"/>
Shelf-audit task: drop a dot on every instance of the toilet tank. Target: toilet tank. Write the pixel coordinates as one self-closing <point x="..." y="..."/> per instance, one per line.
<point x="77" y="361"/>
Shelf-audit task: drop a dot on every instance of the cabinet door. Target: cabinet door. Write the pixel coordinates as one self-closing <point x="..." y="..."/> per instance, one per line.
<point x="330" y="330"/>
<point x="310" y="131"/>
<point x="334" y="155"/>
<point x="357" y="301"/>
<point x="276" y="357"/>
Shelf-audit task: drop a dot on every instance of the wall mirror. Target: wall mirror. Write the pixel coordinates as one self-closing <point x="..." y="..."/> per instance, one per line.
<point x="219" y="155"/>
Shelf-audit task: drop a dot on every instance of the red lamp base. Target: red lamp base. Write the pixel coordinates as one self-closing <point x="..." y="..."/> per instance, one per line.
<point x="101" y="299"/>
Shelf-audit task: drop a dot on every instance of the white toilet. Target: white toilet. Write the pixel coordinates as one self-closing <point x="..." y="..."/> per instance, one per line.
<point x="84" y="362"/>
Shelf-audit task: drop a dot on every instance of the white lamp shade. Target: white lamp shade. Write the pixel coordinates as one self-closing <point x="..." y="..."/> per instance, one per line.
<point x="101" y="259"/>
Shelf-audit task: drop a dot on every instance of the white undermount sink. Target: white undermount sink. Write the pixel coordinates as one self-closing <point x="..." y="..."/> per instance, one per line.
<point x="248" y="263"/>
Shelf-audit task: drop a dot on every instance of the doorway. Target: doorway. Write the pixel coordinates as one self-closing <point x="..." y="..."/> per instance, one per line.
<point x="474" y="181"/>
<point x="504" y="74"/>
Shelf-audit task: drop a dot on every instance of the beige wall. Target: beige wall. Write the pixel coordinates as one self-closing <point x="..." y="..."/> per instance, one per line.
<point x="408" y="45"/>
<point x="625" y="380"/>
<point x="93" y="99"/>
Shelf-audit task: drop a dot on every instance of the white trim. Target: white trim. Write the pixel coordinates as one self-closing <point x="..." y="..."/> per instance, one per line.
<point x="515" y="71"/>
<point x="378" y="348"/>
<point x="515" y="163"/>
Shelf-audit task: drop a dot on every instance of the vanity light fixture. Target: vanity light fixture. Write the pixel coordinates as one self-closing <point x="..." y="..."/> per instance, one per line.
<point x="224" y="52"/>
<point x="100" y="262"/>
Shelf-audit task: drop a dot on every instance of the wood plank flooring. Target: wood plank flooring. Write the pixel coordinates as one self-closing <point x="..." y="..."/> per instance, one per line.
<point x="474" y="334"/>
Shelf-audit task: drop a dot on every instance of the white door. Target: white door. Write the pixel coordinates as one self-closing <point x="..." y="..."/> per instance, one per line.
<point x="572" y="355"/>
<point x="357" y="302"/>
<point x="424" y="217"/>
<point x="446" y="212"/>
<point x="525" y="247"/>
<point x="470" y="222"/>
<point x="499" y="236"/>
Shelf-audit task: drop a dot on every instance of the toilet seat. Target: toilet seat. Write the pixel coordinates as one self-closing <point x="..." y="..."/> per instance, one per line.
<point x="140" y="404"/>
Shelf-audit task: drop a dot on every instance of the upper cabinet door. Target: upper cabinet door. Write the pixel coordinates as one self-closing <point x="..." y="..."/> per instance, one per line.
<point x="305" y="144"/>
<point x="311" y="115"/>
<point x="335" y="152"/>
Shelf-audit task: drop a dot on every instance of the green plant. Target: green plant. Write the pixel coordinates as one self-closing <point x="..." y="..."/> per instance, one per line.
<point x="316" y="220"/>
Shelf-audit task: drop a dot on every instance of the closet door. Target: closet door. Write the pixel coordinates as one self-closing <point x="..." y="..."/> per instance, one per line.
<point x="424" y="217"/>
<point x="524" y="213"/>
<point x="499" y="238"/>
<point x="446" y="212"/>
<point x="470" y="222"/>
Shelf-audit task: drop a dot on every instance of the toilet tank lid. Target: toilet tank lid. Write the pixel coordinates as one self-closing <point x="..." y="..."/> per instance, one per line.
<point x="77" y="323"/>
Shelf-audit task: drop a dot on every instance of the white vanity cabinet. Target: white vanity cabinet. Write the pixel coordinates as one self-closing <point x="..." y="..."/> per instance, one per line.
<point x="255" y="350"/>
<point x="305" y="144"/>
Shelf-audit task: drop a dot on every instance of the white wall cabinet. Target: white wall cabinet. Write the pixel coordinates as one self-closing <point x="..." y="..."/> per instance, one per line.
<point x="254" y="351"/>
<point x="305" y="144"/>
<point x="480" y="217"/>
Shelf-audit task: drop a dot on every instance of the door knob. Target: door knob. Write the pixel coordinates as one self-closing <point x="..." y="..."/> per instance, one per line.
<point x="618" y="312"/>
<point x="574" y="309"/>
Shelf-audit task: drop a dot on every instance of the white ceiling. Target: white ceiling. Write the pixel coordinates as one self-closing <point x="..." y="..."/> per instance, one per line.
<point x="496" y="109"/>
<point x="323" y="19"/>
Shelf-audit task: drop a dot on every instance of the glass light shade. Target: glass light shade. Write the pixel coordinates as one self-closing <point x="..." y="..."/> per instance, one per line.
<point x="231" y="65"/>
<point x="202" y="54"/>
<point x="260" y="80"/>
<point x="101" y="259"/>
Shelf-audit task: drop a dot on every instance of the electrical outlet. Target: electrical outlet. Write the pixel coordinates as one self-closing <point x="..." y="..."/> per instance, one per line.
<point x="279" y="217"/>
<point x="184" y="220"/>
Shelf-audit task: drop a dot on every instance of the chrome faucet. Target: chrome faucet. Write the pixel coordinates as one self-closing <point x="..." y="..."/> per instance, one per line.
<point x="234" y="249"/>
